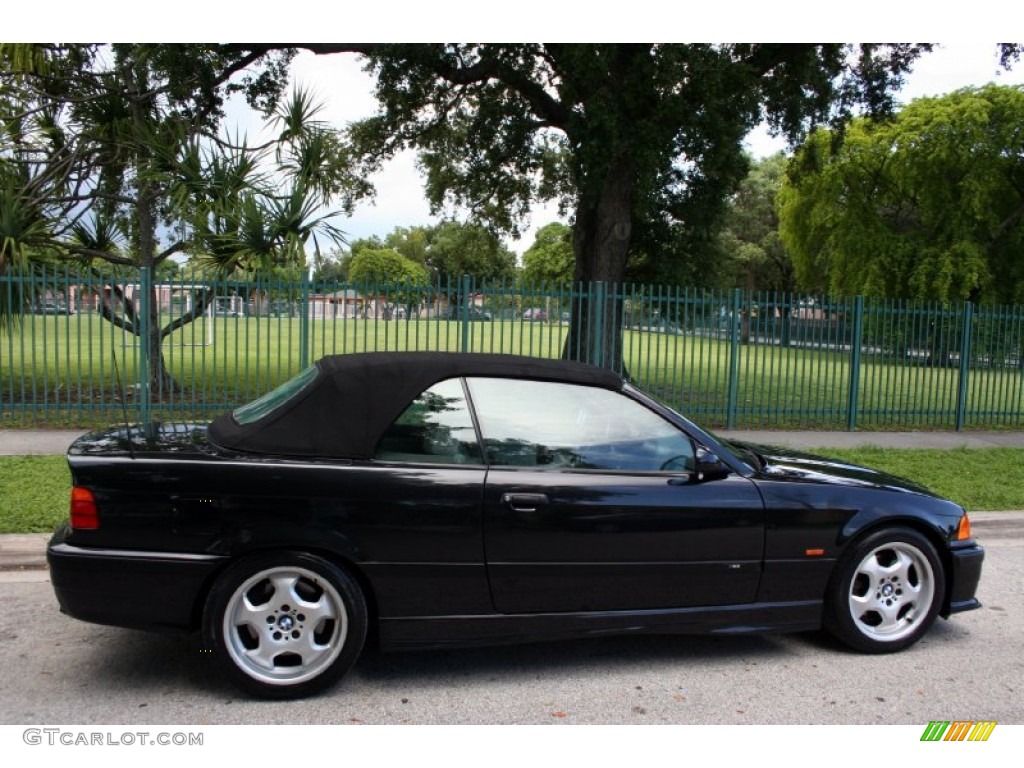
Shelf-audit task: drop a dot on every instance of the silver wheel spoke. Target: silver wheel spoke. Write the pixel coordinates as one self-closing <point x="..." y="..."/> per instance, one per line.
<point x="309" y="649"/>
<point x="903" y="565"/>
<point x="253" y="615"/>
<point x="875" y="571"/>
<point x="284" y="589"/>
<point x="263" y="656"/>
<point x="864" y="602"/>
<point x="318" y="611"/>
<point x="911" y="592"/>
<point x="890" y="620"/>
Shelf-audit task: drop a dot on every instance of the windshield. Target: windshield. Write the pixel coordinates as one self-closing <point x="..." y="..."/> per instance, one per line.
<point x="275" y="398"/>
<point x="740" y="452"/>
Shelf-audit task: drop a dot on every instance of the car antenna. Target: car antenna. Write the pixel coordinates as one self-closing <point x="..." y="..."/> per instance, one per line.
<point x="124" y="406"/>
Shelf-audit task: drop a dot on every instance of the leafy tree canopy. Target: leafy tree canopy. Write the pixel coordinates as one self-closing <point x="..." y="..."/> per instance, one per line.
<point x="752" y="251"/>
<point x="550" y="260"/>
<point x="456" y="249"/>
<point x="928" y="205"/>
<point x="450" y="249"/>
<point x="384" y="266"/>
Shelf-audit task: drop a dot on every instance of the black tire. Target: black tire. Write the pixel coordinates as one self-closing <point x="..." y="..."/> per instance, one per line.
<point x="284" y="625"/>
<point x="885" y="592"/>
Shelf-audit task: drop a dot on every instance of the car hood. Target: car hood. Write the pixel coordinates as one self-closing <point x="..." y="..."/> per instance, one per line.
<point x="785" y="464"/>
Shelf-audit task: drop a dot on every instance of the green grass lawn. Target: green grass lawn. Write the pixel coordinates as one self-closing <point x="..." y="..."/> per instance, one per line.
<point x="986" y="478"/>
<point x="34" y="493"/>
<point x="59" y="371"/>
<point x="34" y="489"/>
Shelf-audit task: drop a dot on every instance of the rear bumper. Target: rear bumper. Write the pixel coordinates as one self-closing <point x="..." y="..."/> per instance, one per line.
<point x="141" y="590"/>
<point x="965" y="573"/>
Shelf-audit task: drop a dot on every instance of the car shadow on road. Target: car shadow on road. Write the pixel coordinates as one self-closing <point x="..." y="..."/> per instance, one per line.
<point x="132" y="661"/>
<point x="605" y="655"/>
<point x="159" y="665"/>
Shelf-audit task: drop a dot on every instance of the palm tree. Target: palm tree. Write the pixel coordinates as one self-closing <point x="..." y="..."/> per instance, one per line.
<point x="112" y="156"/>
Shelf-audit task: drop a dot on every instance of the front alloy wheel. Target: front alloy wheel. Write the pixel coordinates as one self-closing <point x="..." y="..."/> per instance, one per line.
<point x="285" y="625"/>
<point x="886" y="593"/>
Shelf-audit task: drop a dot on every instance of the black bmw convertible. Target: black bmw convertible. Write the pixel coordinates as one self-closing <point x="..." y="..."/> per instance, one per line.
<point x="452" y="500"/>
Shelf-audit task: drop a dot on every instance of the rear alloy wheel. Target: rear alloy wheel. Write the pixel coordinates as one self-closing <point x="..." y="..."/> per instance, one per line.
<point x="886" y="592"/>
<point x="285" y="625"/>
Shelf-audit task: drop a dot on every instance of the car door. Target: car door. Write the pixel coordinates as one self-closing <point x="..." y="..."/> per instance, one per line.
<point x="590" y="504"/>
<point x="419" y="520"/>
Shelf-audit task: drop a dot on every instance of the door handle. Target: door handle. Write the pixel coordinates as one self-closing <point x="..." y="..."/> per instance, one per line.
<point x="524" y="502"/>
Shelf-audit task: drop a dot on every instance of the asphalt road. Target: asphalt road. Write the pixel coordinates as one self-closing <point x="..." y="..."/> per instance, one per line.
<point x="58" y="670"/>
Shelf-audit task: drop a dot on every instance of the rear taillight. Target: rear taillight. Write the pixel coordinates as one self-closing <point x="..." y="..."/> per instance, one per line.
<point x="84" y="515"/>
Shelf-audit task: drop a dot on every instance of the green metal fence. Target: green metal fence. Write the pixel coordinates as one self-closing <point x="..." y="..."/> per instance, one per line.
<point x="75" y="353"/>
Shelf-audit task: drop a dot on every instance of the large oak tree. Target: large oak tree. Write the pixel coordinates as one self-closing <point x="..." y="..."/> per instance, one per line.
<point x="638" y="141"/>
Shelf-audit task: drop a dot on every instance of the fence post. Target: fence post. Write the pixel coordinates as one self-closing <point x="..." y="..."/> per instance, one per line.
<point x="464" y="289"/>
<point x="304" y="321"/>
<point x="596" y="341"/>
<point x="734" y="358"/>
<point x="965" y="365"/>
<point x="145" y="300"/>
<point x="856" y="342"/>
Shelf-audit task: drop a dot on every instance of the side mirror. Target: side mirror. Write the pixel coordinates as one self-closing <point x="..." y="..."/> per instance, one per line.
<point x="707" y="465"/>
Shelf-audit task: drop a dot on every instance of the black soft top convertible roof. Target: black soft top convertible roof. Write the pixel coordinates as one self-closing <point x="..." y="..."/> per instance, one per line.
<point x="354" y="398"/>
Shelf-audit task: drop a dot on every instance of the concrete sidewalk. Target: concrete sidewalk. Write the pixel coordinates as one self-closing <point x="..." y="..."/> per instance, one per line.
<point x="945" y="440"/>
<point x="29" y="442"/>
<point x="36" y="442"/>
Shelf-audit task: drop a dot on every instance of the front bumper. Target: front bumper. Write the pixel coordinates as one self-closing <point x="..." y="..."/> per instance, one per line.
<point x="964" y="575"/>
<point x="142" y="590"/>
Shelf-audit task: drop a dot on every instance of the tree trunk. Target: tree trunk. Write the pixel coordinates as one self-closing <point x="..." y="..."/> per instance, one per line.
<point x="601" y="237"/>
<point x="158" y="379"/>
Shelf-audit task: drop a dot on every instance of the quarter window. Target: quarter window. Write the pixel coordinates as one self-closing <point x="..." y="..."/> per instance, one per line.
<point x="435" y="428"/>
<point x="274" y="399"/>
<point x="549" y="425"/>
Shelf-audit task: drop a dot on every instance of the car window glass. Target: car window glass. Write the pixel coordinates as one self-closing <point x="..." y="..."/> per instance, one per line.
<point x="274" y="399"/>
<point x="435" y="428"/>
<point x="566" y="426"/>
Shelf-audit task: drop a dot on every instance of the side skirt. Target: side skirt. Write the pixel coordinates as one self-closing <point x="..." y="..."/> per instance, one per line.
<point x="426" y="632"/>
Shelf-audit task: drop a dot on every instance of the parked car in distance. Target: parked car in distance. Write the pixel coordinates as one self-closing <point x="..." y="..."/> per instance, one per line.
<point x="443" y="499"/>
<point x="50" y="307"/>
<point x="473" y="314"/>
<point x="535" y="313"/>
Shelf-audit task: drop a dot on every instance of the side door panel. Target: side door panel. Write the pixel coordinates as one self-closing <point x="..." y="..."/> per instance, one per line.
<point x="612" y="541"/>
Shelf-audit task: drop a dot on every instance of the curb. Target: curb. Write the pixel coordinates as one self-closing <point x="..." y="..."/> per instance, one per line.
<point x="23" y="551"/>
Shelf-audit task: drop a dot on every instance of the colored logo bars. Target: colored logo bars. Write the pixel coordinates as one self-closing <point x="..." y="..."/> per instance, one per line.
<point x="958" y="730"/>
